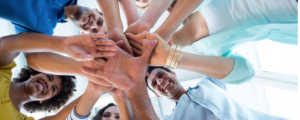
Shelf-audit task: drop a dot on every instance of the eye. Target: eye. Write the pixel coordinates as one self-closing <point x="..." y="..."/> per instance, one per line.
<point x="153" y="84"/>
<point x="94" y="30"/>
<point x="106" y="115"/>
<point x="117" y="117"/>
<point x="53" y="89"/>
<point x="48" y="77"/>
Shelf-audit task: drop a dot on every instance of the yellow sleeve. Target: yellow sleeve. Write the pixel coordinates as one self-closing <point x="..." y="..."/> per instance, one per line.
<point x="5" y="71"/>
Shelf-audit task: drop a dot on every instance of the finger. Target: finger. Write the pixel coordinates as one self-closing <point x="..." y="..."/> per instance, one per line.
<point x="83" y="57"/>
<point x="137" y="52"/>
<point x="120" y="43"/>
<point x="92" y="72"/>
<point x="100" y="61"/>
<point x="105" y="53"/>
<point x="107" y="48"/>
<point x="150" y="45"/>
<point x="97" y="80"/>
<point x="104" y="42"/>
<point x="136" y="44"/>
<point x="98" y="35"/>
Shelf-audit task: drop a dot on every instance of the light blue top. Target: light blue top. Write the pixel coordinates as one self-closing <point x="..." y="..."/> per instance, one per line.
<point x="223" y="43"/>
<point x="210" y="101"/>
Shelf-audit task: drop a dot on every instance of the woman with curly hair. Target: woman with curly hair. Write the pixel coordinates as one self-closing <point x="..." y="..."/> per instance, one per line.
<point x="33" y="90"/>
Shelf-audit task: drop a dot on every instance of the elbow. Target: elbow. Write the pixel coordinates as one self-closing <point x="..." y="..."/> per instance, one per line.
<point x="242" y="72"/>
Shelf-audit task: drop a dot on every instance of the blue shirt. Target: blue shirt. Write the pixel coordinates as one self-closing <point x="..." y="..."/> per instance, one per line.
<point x="210" y="101"/>
<point x="39" y="16"/>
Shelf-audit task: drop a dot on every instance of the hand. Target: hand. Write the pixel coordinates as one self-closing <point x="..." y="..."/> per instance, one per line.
<point x="98" y="89"/>
<point x="86" y="47"/>
<point x="117" y="93"/>
<point x="136" y="28"/>
<point x="124" y="71"/>
<point x="161" y="51"/>
<point x="117" y="35"/>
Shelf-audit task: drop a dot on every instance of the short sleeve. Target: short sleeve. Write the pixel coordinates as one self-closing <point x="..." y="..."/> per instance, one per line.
<point x="21" y="29"/>
<point x="74" y="116"/>
<point x="242" y="71"/>
<point x="5" y="71"/>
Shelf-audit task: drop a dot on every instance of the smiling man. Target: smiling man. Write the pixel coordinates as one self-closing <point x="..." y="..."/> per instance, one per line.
<point x="207" y="101"/>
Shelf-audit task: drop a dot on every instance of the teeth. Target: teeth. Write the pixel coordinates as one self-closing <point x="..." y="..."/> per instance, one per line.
<point x="166" y="85"/>
<point x="41" y="87"/>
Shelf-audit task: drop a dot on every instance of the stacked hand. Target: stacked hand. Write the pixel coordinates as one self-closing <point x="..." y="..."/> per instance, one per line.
<point x="86" y="47"/>
<point x="117" y="35"/>
<point x="123" y="71"/>
<point x="161" y="51"/>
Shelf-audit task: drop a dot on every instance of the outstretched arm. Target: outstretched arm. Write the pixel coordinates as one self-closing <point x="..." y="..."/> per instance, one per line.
<point x="217" y="67"/>
<point x="123" y="104"/>
<point x="81" y="47"/>
<point x="130" y="11"/>
<point x="181" y="11"/>
<point x="110" y="9"/>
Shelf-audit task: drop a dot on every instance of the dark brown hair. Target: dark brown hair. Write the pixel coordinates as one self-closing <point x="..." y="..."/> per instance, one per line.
<point x="99" y="114"/>
<point x="54" y="103"/>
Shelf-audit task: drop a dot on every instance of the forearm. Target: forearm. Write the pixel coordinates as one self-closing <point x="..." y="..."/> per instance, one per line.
<point x="155" y="10"/>
<point x="139" y="98"/>
<point x="53" y="63"/>
<point x="216" y="67"/>
<point x="110" y="9"/>
<point x="195" y="28"/>
<point x="130" y="11"/>
<point x="32" y="42"/>
<point x="181" y="11"/>
<point x="86" y="103"/>
<point x="124" y="107"/>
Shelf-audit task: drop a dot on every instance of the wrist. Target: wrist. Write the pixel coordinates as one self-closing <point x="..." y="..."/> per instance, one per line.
<point x="137" y="89"/>
<point x="62" y="45"/>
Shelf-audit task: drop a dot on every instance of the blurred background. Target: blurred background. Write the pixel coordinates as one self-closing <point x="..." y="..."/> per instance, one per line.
<point x="273" y="90"/>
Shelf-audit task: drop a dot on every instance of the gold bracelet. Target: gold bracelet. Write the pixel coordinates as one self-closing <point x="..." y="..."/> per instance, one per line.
<point x="169" y="58"/>
<point x="178" y="58"/>
<point x="174" y="58"/>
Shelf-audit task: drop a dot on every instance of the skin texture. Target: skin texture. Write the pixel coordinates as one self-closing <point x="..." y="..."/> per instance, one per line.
<point x="30" y="90"/>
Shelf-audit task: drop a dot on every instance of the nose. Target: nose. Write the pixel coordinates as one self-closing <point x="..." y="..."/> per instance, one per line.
<point x="93" y="24"/>
<point x="160" y="81"/>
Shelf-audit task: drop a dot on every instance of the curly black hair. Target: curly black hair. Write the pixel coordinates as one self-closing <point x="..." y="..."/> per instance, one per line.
<point x="99" y="114"/>
<point x="149" y="70"/>
<point x="54" y="103"/>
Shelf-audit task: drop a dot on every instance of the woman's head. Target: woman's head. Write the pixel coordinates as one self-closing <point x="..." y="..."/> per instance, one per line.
<point x="47" y="92"/>
<point x="109" y="112"/>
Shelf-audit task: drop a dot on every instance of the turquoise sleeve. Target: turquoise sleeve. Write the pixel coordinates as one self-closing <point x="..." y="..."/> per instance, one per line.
<point x="242" y="71"/>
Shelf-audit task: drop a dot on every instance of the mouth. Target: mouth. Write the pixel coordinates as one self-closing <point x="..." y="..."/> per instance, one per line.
<point x="87" y="20"/>
<point x="166" y="85"/>
<point x="40" y="86"/>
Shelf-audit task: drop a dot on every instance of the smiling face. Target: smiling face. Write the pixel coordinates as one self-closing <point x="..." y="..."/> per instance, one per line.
<point x="164" y="83"/>
<point x="111" y="113"/>
<point x="43" y="86"/>
<point x="88" y="20"/>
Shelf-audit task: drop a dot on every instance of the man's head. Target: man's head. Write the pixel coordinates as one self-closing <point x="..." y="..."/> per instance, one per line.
<point x="163" y="82"/>
<point x="87" y="20"/>
<point x="46" y="92"/>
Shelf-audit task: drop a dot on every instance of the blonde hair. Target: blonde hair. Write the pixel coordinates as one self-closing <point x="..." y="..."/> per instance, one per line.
<point x="143" y="9"/>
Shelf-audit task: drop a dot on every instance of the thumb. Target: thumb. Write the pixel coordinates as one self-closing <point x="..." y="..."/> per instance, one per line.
<point x="120" y="43"/>
<point x="150" y="45"/>
<point x="83" y="57"/>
